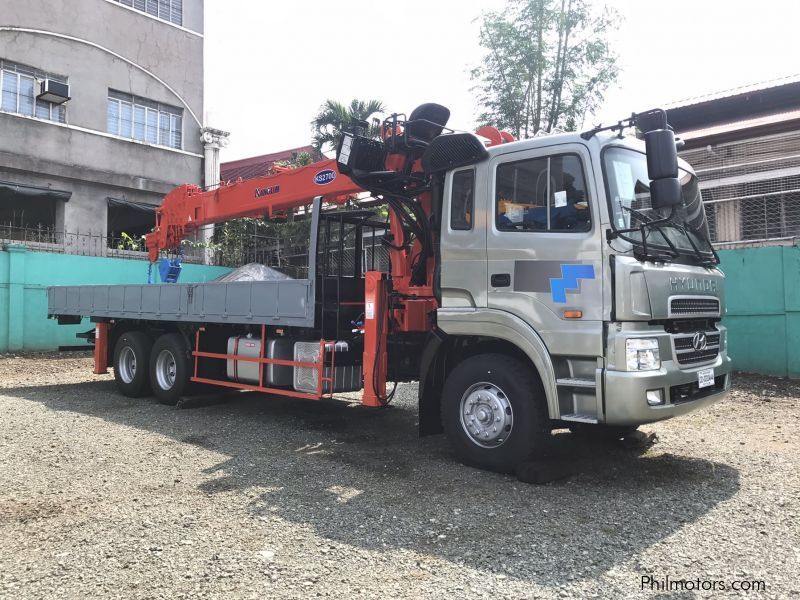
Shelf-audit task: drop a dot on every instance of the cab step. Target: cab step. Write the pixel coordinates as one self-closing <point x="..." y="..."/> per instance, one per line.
<point x="576" y="382"/>
<point x="579" y="418"/>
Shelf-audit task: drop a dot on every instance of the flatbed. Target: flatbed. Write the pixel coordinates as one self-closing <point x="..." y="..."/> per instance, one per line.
<point x="287" y="302"/>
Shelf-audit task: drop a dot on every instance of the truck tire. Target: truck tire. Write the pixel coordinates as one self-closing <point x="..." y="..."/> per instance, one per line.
<point x="131" y="358"/>
<point x="494" y="412"/>
<point x="603" y="433"/>
<point x="170" y="368"/>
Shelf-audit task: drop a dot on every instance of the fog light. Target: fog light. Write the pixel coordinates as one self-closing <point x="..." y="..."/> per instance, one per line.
<point x="641" y="354"/>
<point x="655" y="397"/>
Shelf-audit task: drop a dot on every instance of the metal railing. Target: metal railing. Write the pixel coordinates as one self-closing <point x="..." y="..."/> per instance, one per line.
<point x="43" y="238"/>
<point x="751" y="189"/>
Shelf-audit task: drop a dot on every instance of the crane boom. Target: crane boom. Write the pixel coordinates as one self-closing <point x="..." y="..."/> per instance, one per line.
<point x="188" y="207"/>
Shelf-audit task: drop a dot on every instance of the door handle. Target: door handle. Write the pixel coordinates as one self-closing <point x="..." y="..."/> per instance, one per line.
<point x="501" y="280"/>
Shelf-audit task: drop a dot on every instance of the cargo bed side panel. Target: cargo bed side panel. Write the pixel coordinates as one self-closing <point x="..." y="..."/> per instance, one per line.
<point x="285" y="302"/>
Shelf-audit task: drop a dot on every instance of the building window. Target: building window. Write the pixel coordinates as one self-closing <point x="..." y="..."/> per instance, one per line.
<point x="139" y="119"/>
<point x="771" y="217"/>
<point x="166" y="10"/>
<point x="28" y="212"/>
<point x="19" y="85"/>
<point x="127" y="222"/>
<point x="542" y="194"/>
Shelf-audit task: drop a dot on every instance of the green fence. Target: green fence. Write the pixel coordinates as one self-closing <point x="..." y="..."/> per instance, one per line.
<point x="763" y="297"/>
<point x="25" y="276"/>
<point x="762" y="289"/>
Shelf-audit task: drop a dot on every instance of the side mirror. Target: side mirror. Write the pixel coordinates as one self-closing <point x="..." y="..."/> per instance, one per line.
<point x="665" y="192"/>
<point x="662" y="160"/>
<point x="662" y="154"/>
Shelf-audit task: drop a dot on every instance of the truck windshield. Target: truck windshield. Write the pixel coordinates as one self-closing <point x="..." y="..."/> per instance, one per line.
<point x="655" y="233"/>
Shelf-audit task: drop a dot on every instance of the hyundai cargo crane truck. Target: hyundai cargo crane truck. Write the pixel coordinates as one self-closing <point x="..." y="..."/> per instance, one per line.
<point x="565" y="281"/>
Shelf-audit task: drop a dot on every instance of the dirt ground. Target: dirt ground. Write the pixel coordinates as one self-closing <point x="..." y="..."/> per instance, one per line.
<point x="263" y="497"/>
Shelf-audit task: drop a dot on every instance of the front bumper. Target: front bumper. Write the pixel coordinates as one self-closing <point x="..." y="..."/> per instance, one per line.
<point x="626" y="391"/>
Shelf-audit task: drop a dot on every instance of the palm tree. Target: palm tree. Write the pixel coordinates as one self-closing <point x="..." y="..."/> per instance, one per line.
<point x="334" y="117"/>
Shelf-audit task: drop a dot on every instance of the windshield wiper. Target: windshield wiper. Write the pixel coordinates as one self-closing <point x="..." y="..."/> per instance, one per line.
<point x="657" y="225"/>
<point x="702" y="260"/>
<point x="646" y="224"/>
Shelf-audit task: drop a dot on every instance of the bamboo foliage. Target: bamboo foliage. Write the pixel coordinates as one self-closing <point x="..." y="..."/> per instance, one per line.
<point x="547" y="65"/>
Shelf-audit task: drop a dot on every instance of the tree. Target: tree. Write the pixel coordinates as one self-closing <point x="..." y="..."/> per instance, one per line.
<point x="299" y="159"/>
<point x="334" y="117"/>
<point x="547" y="64"/>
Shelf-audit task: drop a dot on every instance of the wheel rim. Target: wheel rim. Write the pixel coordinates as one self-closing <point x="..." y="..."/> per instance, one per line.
<point x="127" y="364"/>
<point x="486" y="415"/>
<point x="165" y="370"/>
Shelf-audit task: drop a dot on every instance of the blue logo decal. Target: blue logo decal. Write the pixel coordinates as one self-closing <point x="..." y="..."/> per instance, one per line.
<point x="325" y="177"/>
<point x="569" y="282"/>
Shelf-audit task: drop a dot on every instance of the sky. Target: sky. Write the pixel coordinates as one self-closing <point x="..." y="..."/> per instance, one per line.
<point x="269" y="66"/>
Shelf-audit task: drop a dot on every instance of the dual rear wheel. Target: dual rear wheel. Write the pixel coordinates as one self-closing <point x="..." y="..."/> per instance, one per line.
<point x="142" y="366"/>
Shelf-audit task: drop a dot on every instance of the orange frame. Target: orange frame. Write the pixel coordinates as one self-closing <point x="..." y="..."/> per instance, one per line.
<point x="320" y="366"/>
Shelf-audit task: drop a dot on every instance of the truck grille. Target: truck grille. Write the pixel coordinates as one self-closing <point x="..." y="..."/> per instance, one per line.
<point x="686" y="354"/>
<point x="685" y="343"/>
<point x="693" y="307"/>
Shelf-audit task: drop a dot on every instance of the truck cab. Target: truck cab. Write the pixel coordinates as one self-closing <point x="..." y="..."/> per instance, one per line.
<point x="553" y="254"/>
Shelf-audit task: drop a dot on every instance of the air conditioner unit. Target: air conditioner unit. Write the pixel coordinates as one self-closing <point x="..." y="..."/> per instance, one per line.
<point x="53" y="91"/>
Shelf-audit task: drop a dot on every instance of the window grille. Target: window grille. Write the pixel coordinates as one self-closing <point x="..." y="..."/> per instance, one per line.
<point x="136" y="118"/>
<point x="751" y="188"/>
<point x="19" y="86"/>
<point x="166" y="10"/>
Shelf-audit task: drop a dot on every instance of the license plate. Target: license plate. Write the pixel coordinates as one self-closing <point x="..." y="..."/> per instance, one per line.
<point x="705" y="378"/>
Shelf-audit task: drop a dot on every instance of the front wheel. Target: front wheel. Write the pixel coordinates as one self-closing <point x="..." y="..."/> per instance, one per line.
<point x="170" y="368"/>
<point x="494" y="412"/>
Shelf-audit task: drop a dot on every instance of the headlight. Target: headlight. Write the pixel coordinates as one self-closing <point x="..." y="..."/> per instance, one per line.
<point x="641" y="354"/>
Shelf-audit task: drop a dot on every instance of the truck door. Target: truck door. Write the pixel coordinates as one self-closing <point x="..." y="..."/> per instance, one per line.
<point x="462" y="248"/>
<point x="544" y="249"/>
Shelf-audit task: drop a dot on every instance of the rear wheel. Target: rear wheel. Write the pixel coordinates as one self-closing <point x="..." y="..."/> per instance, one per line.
<point x="170" y="368"/>
<point x="131" y="357"/>
<point x="494" y="412"/>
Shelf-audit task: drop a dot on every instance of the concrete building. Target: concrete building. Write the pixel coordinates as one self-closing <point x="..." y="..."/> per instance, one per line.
<point x="745" y="147"/>
<point x="81" y="164"/>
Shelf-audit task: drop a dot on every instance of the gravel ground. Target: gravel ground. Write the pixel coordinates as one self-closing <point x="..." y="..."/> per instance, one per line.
<point x="259" y="497"/>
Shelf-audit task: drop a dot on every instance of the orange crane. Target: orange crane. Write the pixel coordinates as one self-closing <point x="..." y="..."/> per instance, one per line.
<point x="397" y="175"/>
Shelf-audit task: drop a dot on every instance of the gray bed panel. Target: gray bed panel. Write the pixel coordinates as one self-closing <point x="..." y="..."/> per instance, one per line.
<point x="284" y="302"/>
<point x="289" y="302"/>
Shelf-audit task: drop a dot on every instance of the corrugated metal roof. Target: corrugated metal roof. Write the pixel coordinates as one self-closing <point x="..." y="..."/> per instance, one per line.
<point x="259" y="166"/>
<point x="757" y="101"/>
<point x="737" y="91"/>
<point x="741" y="125"/>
